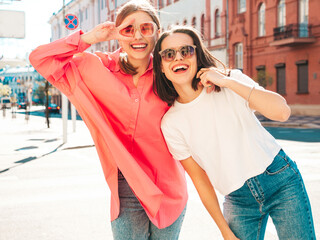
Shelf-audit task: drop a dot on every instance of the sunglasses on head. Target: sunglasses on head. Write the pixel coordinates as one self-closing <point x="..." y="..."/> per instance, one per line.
<point x="147" y="29"/>
<point x="169" y="54"/>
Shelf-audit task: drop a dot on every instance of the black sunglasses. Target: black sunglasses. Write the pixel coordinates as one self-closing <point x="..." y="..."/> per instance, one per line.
<point x="169" y="54"/>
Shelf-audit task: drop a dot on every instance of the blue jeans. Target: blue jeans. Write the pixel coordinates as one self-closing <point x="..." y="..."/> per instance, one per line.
<point x="133" y="222"/>
<point x="280" y="193"/>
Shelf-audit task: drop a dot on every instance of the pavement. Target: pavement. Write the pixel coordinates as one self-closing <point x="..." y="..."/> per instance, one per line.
<point x="295" y="121"/>
<point x="52" y="190"/>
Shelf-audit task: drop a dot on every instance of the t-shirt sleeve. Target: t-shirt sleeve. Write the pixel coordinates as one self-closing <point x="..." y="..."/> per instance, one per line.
<point x="175" y="141"/>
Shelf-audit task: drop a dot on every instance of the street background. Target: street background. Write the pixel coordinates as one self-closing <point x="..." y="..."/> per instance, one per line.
<point x="51" y="191"/>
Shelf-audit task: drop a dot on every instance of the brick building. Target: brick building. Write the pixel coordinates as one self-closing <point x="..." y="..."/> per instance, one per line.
<point x="277" y="42"/>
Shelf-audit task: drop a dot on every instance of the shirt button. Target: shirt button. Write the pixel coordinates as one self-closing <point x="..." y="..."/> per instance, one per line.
<point x="136" y="100"/>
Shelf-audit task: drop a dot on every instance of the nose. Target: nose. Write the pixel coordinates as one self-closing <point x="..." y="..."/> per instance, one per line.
<point x="178" y="56"/>
<point x="137" y="34"/>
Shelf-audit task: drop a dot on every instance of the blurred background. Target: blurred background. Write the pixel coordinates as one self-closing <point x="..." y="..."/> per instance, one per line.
<point x="276" y="43"/>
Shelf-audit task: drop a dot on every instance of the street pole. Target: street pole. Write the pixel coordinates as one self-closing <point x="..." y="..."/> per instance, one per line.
<point x="64" y="98"/>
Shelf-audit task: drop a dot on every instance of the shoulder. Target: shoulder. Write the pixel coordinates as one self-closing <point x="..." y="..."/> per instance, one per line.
<point x="170" y="119"/>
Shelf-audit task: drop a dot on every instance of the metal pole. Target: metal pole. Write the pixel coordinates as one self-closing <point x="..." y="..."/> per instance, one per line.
<point x="64" y="98"/>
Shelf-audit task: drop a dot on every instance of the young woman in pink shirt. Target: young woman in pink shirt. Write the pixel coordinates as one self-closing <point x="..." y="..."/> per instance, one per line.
<point x="113" y="94"/>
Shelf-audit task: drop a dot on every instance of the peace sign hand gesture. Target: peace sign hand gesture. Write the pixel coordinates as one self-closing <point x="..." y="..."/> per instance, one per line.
<point x="103" y="32"/>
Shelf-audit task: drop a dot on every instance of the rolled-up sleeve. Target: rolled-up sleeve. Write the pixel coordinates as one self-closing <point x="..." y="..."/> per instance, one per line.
<point x="55" y="59"/>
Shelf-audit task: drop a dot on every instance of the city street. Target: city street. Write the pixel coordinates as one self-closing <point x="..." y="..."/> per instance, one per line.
<point x="53" y="191"/>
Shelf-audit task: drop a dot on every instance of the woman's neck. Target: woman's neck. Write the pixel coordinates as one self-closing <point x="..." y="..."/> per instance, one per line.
<point x="141" y="64"/>
<point x="187" y="93"/>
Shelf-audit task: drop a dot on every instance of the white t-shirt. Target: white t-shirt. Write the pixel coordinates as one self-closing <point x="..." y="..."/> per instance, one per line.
<point x="223" y="136"/>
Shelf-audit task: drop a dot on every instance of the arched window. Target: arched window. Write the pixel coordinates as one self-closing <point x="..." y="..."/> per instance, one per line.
<point x="202" y="25"/>
<point x="281" y="13"/>
<point x="194" y="22"/>
<point x="262" y="20"/>
<point x="217" y="23"/>
<point x="238" y="53"/>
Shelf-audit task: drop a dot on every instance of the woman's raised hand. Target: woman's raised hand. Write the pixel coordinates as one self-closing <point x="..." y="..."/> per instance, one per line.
<point x="211" y="77"/>
<point x="103" y="32"/>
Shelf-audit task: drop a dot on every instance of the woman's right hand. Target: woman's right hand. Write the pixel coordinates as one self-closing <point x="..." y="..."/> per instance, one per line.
<point x="102" y="32"/>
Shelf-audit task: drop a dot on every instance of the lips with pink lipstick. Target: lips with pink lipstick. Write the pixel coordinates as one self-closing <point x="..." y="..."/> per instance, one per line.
<point x="139" y="46"/>
<point x="180" y="68"/>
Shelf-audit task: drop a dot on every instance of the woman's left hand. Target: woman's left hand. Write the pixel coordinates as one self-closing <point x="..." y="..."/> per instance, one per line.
<point x="211" y="77"/>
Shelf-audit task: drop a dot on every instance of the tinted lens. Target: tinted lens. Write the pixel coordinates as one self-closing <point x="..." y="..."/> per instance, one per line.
<point x="127" y="31"/>
<point x="147" y="29"/>
<point x="168" y="54"/>
<point x="186" y="51"/>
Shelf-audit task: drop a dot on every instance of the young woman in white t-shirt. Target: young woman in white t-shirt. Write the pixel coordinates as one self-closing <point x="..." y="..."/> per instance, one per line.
<point x="222" y="145"/>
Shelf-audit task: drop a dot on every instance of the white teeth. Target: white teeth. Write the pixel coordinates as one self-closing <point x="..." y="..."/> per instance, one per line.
<point x="139" y="46"/>
<point x="180" y="67"/>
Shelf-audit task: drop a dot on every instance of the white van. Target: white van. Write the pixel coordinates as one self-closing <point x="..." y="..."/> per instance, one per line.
<point x="5" y="103"/>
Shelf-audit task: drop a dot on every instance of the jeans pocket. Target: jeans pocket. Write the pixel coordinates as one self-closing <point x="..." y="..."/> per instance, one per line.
<point x="278" y="165"/>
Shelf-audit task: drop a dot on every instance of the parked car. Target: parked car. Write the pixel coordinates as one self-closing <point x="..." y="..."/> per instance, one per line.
<point x="53" y="108"/>
<point x="22" y="105"/>
<point x="5" y="102"/>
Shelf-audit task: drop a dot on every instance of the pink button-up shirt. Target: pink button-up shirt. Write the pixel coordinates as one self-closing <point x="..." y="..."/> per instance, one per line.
<point x="124" y="122"/>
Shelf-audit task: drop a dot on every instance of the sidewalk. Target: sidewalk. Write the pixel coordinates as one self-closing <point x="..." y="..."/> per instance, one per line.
<point x="295" y="121"/>
<point x="53" y="191"/>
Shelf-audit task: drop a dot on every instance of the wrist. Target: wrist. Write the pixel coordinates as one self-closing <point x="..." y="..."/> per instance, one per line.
<point x="87" y="38"/>
<point x="229" y="82"/>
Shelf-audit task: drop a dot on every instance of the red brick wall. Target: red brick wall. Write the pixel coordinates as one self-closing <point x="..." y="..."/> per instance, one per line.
<point x="260" y="51"/>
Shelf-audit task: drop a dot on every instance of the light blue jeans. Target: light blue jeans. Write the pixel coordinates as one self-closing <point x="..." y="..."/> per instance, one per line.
<point x="280" y="193"/>
<point x="133" y="222"/>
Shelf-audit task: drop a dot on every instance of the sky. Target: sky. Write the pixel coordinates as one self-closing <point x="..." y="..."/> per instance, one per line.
<point x="37" y="28"/>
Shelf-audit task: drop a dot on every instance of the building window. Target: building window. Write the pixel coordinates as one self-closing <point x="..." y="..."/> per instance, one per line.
<point x="241" y="6"/>
<point x="202" y="25"/>
<point x="185" y="22"/>
<point x="303" y="18"/>
<point x="80" y="16"/>
<point x="194" y="22"/>
<point x="160" y="3"/>
<point x="302" y="67"/>
<point x="262" y="20"/>
<point x="217" y="23"/>
<point x="281" y="13"/>
<point x="169" y="2"/>
<point x="238" y="49"/>
<point x="281" y="78"/>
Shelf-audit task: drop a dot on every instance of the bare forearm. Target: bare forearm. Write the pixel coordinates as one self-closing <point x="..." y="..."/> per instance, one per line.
<point x="210" y="201"/>
<point x="268" y="103"/>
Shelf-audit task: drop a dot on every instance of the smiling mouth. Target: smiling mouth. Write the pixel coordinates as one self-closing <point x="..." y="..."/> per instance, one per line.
<point x="139" y="46"/>
<point x="180" y="68"/>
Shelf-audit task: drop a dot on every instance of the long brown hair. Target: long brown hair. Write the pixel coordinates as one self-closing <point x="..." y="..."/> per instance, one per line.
<point x="126" y="10"/>
<point x="162" y="86"/>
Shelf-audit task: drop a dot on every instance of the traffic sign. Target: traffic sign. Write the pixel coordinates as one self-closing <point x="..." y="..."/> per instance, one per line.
<point x="71" y="21"/>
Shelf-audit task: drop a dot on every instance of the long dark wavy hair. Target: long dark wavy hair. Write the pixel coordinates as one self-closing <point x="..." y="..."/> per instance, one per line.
<point x="162" y="86"/>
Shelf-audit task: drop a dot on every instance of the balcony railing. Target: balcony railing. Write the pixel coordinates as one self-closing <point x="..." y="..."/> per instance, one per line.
<point x="292" y="34"/>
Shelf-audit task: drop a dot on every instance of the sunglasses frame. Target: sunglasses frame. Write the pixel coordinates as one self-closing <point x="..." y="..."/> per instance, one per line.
<point x="178" y="50"/>
<point x="155" y="27"/>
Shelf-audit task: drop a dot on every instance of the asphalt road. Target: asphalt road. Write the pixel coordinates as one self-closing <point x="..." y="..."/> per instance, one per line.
<point x="50" y="191"/>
